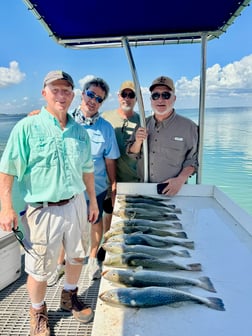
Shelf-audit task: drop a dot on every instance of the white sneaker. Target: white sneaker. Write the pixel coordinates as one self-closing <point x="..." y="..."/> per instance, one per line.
<point x="94" y="269"/>
<point x="60" y="270"/>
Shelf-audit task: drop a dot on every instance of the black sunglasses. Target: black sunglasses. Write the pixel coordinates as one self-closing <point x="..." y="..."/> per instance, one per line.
<point x="124" y="125"/>
<point x="165" y="95"/>
<point x="20" y="236"/>
<point x="92" y="95"/>
<point x="130" y="94"/>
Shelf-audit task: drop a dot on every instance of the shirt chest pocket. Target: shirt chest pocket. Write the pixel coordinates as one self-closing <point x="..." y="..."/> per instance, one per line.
<point x="97" y="145"/>
<point x="43" y="151"/>
<point x="174" y="151"/>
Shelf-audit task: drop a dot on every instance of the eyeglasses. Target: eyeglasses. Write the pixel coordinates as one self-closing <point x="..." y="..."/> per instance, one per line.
<point x="165" y="95"/>
<point x="92" y="95"/>
<point x="124" y="125"/>
<point x="20" y="236"/>
<point x="130" y="94"/>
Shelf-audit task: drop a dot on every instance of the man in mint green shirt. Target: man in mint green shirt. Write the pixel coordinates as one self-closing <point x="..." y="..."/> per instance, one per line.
<point x="50" y="155"/>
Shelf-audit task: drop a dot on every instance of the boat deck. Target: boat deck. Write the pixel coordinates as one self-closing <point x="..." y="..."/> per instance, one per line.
<point x="15" y="303"/>
<point x="222" y="234"/>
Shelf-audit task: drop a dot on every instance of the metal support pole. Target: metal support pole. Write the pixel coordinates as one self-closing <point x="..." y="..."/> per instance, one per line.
<point x="140" y="103"/>
<point x="202" y="97"/>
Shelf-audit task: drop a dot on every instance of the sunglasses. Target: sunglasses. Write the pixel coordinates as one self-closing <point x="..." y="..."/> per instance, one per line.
<point x="92" y="95"/>
<point x="165" y="95"/>
<point x="130" y="95"/>
<point x="124" y="125"/>
<point x="20" y="236"/>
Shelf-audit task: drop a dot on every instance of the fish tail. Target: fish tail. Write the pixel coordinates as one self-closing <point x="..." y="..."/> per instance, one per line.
<point x="183" y="253"/>
<point x="206" y="283"/>
<point x="177" y="225"/>
<point x="181" y="234"/>
<point x="194" y="267"/>
<point x="189" y="244"/>
<point x="215" y="303"/>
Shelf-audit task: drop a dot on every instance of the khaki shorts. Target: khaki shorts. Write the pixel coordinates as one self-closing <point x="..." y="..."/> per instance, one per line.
<point x="47" y="228"/>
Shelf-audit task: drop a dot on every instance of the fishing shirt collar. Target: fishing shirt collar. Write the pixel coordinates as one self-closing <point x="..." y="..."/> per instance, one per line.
<point x="81" y="119"/>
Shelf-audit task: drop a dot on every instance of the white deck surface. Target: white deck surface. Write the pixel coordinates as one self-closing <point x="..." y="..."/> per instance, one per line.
<point x="223" y="245"/>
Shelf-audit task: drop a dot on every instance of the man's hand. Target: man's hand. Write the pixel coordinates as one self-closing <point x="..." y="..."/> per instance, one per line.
<point x="173" y="187"/>
<point x="34" y="112"/>
<point x="93" y="212"/>
<point x="8" y="219"/>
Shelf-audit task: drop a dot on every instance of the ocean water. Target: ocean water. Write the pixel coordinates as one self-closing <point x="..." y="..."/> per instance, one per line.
<point x="227" y="152"/>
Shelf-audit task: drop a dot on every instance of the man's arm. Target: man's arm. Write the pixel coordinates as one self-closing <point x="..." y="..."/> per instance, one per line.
<point x="88" y="179"/>
<point x="8" y="216"/>
<point x="111" y="171"/>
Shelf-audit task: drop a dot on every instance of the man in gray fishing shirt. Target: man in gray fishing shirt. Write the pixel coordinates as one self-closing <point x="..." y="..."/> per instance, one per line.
<point x="172" y="140"/>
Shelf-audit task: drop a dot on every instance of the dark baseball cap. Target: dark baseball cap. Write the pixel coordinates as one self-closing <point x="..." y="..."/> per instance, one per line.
<point x="58" y="74"/>
<point x="165" y="81"/>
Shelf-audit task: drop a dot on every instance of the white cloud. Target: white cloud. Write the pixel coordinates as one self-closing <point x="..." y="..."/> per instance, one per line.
<point x="227" y="86"/>
<point x="10" y="76"/>
<point x="85" y="79"/>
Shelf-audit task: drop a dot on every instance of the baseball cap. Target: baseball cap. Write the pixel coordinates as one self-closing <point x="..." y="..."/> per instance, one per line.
<point x="127" y="85"/>
<point x="58" y="74"/>
<point x="165" y="81"/>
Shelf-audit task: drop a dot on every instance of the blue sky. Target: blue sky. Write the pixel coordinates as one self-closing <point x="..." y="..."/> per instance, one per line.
<point x="27" y="54"/>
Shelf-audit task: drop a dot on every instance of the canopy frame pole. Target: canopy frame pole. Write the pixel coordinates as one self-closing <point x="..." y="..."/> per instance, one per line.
<point x="202" y="98"/>
<point x="127" y="49"/>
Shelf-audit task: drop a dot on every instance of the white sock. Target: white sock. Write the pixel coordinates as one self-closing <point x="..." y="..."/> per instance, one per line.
<point x="69" y="287"/>
<point x="38" y="305"/>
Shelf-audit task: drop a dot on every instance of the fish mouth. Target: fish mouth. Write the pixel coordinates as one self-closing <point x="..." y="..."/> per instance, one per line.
<point x="102" y="295"/>
<point x="104" y="272"/>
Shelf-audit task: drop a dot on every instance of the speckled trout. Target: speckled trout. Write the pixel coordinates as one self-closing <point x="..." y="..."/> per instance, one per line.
<point x="143" y="198"/>
<point x="148" y="223"/>
<point x="139" y="238"/>
<point x="146" y="278"/>
<point x="155" y="296"/>
<point x="145" y="214"/>
<point x="117" y="247"/>
<point x="150" y="207"/>
<point x="144" y="229"/>
<point x="148" y="261"/>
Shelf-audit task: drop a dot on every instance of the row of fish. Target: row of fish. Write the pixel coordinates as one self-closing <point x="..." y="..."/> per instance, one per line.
<point x="140" y="248"/>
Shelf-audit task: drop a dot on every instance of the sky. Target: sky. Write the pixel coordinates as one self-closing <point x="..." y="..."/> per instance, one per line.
<point x="27" y="54"/>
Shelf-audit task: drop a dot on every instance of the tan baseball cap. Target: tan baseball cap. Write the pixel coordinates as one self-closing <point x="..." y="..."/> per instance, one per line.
<point x="127" y="85"/>
<point x="58" y="74"/>
<point x="165" y="81"/>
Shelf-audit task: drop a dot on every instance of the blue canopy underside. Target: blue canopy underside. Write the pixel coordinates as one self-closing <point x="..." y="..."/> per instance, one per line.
<point x="78" y="23"/>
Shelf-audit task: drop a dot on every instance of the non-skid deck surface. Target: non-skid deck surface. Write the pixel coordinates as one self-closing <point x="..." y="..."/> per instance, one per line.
<point x="15" y="304"/>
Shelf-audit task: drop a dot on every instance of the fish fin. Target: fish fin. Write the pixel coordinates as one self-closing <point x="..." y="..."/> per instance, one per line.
<point x="183" y="253"/>
<point x="216" y="303"/>
<point x="176" y="304"/>
<point x="138" y="268"/>
<point x="194" y="267"/>
<point x="206" y="283"/>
